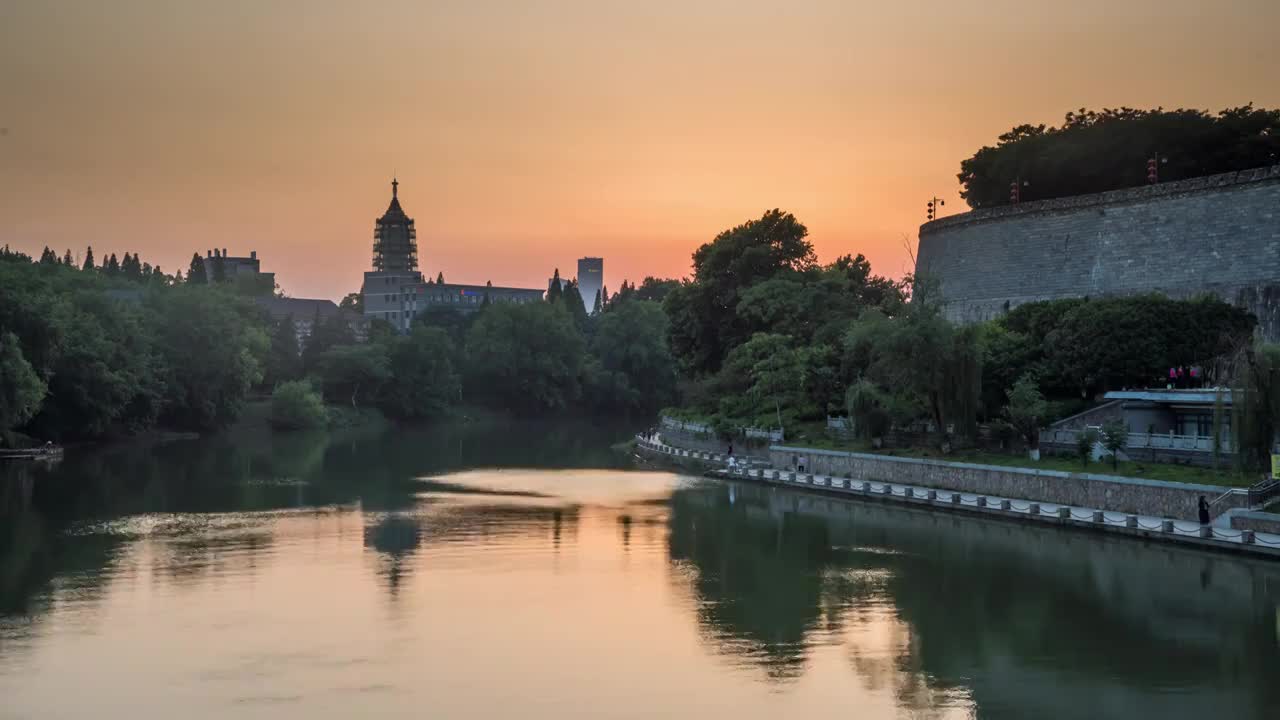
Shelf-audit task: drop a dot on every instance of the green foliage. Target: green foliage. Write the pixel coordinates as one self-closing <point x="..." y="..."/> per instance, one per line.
<point x="196" y="274"/>
<point x="1097" y="151"/>
<point x="353" y="302"/>
<point x="1115" y="436"/>
<point x="21" y="389"/>
<point x="527" y="358"/>
<point x="1085" y="440"/>
<point x="704" y="316"/>
<point x="1026" y="409"/>
<point x="327" y="332"/>
<point x="346" y="371"/>
<point x="924" y="361"/>
<point x="88" y="259"/>
<point x="184" y="357"/>
<point x="215" y="347"/>
<point x="284" y="361"/>
<point x="572" y="300"/>
<point x="630" y="343"/>
<point x="762" y="383"/>
<point x="295" y="405"/>
<point x="1079" y="348"/>
<point x="655" y="289"/>
<point x="426" y="384"/>
<point x="1255" y="405"/>
<point x="555" y="292"/>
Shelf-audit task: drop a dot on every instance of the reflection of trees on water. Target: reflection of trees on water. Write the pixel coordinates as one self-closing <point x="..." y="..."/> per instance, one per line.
<point x="395" y="537"/>
<point x="243" y="472"/>
<point x="931" y="605"/>
<point x="758" y="578"/>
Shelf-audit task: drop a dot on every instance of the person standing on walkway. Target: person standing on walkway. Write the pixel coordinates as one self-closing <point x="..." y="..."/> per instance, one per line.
<point x="1204" y="511"/>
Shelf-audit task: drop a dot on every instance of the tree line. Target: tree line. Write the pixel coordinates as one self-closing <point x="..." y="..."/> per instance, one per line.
<point x="1095" y="151"/>
<point x="767" y="337"/>
<point x="81" y="360"/>
<point x="92" y="351"/>
<point x="537" y="359"/>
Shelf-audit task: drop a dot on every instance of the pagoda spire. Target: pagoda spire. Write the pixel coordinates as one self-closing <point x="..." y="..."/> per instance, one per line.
<point x="395" y="187"/>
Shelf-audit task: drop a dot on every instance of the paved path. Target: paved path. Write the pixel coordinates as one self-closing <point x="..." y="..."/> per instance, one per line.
<point x="1085" y="516"/>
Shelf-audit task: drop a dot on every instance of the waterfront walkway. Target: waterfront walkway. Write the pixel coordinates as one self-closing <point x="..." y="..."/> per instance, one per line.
<point x="1147" y="526"/>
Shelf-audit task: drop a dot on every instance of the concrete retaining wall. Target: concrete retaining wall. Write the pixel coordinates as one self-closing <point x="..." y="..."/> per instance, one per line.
<point x="1256" y="521"/>
<point x="1116" y="494"/>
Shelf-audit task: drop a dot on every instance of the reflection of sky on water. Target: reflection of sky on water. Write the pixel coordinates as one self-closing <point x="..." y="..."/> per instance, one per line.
<point x="408" y="589"/>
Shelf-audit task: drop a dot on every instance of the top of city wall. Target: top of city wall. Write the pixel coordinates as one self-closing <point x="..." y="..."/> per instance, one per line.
<point x="1212" y="490"/>
<point x="1111" y="197"/>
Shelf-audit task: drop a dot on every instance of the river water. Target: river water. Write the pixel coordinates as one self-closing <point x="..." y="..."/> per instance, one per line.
<point x="529" y="571"/>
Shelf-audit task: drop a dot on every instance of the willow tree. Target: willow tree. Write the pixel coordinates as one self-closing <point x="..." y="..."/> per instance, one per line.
<point x="1255" y="404"/>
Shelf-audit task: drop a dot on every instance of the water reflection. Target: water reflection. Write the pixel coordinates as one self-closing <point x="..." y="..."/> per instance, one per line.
<point x="1013" y="617"/>
<point x="310" y="560"/>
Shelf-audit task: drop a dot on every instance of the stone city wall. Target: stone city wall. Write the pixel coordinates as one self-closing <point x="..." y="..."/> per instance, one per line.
<point x="1218" y="234"/>
<point x="1115" y="494"/>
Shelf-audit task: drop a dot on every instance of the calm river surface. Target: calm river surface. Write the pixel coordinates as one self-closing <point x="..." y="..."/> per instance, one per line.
<point x="530" y="572"/>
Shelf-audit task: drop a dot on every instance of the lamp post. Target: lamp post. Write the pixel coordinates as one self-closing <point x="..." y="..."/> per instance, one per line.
<point x="935" y="206"/>
<point x="1153" y="167"/>
<point x="1015" y="190"/>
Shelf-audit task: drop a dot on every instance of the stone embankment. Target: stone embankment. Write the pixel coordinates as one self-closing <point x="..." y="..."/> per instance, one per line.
<point x="1000" y="492"/>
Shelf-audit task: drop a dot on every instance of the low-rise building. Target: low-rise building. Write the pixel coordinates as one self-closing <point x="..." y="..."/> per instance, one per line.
<point x="234" y="267"/>
<point x="1165" y="425"/>
<point x="305" y="313"/>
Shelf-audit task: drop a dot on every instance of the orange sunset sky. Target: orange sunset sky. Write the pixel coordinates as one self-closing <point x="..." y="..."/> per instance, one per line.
<point x="529" y="133"/>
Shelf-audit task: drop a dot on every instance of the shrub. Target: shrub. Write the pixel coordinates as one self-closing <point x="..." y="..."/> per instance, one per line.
<point x="295" y="405"/>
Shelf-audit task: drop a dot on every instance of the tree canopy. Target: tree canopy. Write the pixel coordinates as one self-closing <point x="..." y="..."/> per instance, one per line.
<point x="1097" y="151"/>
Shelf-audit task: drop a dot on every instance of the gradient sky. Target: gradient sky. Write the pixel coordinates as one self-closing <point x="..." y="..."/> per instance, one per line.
<point x="528" y="134"/>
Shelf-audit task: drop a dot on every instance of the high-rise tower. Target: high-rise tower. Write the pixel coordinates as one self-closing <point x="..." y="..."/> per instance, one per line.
<point x="395" y="241"/>
<point x="590" y="280"/>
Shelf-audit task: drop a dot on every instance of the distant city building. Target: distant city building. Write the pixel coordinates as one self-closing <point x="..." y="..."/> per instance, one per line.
<point x="551" y="282"/>
<point x="305" y="313"/>
<point x="395" y="241"/>
<point x="590" y="280"/>
<point x="233" y="267"/>
<point x="395" y="291"/>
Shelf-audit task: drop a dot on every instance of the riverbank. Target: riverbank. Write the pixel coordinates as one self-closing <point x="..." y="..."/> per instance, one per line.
<point x="919" y="482"/>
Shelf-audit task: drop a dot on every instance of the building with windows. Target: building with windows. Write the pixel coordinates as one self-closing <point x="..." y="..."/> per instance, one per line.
<point x="395" y="290"/>
<point x="218" y="264"/>
<point x="590" y="280"/>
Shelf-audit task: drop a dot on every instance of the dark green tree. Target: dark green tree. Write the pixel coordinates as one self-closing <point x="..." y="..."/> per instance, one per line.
<point x="440" y="278"/>
<point x="705" y="323"/>
<point x="21" y="389"/>
<point x="573" y="303"/>
<point x="48" y="257"/>
<point x="88" y="259"/>
<point x="295" y="405"/>
<point x="67" y="259"/>
<point x="1115" y="437"/>
<point x="630" y="340"/>
<point x="555" y="292"/>
<point x="196" y="274"/>
<point x="527" y="358"/>
<point x="597" y="305"/>
<point x="353" y="302"/>
<point x="215" y="347"/>
<point x="327" y="331"/>
<point x="348" y="371"/>
<point x="284" y="362"/>
<point x="426" y="384"/>
<point x="1107" y="150"/>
